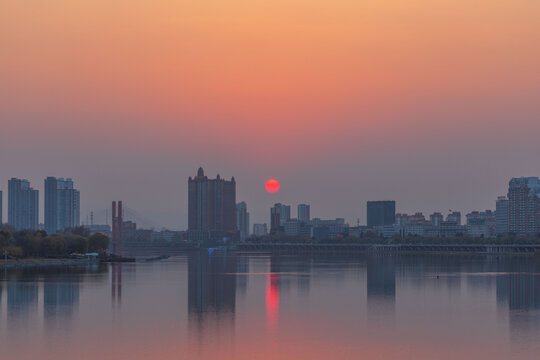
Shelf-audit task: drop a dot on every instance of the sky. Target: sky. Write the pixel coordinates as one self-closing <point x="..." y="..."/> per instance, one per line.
<point x="434" y="104"/>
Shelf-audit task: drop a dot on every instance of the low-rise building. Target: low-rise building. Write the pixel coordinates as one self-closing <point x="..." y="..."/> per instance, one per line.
<point x="481" y="224"/>
<point x="260" y="229"/>
<point x="327" y="229"/>
<point x="295" y="227"/>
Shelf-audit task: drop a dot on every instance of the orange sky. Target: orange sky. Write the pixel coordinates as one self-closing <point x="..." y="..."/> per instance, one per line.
<point x="286" y="79"/>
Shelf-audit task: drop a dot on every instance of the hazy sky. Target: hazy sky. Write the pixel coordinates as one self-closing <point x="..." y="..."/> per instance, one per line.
<point x="435" y="104"/>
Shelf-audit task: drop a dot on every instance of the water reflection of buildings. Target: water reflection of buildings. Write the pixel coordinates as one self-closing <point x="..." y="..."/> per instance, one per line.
<point x="211" y="286"/>
<point x="22" y="296"/>
<point x="242" y="278"/>
<point x="302" y="270"/>
<point x="381" y="286"/>
<point x="519" y="292"/>
<point x="116" y="283"/>
<point x="57" y="289"/>
<point x="60" y="296"/>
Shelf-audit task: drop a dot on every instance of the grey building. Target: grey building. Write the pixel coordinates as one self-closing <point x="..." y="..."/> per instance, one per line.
<point x="328" y="229"/>
<point x="481" y="224"/>
<point x="23" y="205"/>
<point x="524" y="206"/>
<point x="260" y="229"/>
<point x="62" y="205"/>
<point x="380" y="213"/>
<point x="211" y="207"/>
<point x="279" y="215"/>
<point x="295" y="227"/>
<point x="242" y="220"/>
<point x="304" y="212"/>
<point x="501" y="216"/>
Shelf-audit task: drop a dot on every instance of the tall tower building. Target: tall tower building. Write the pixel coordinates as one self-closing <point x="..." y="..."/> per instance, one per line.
<point x="23" y="205"/>
<point x="524" y="206"/>
<point x="211" y="207"/>
<point x="242" y="220"/>
<point x="501" y="215"/>
<point x="62" y="205"/>
<point x="380" y="213"/>
<point x="303" y="213"/>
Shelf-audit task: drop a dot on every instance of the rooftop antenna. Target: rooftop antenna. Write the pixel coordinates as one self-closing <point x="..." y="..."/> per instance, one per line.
<point x="91" y="218"/>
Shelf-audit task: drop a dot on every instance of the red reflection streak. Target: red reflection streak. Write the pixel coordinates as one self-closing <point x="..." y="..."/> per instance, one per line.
<point x="272" y="300"/>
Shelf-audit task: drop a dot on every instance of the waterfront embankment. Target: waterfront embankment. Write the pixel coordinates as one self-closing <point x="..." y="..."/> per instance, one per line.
<point x="488" y="249"/>
<point x="18" y="263"/>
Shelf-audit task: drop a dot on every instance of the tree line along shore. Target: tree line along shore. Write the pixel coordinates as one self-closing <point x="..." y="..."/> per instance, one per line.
<point x="39" y="244"/>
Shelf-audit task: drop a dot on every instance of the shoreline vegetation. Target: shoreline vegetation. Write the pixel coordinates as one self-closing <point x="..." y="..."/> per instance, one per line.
<point x="37" y="248"/>
<point x="44" y="262"/>
<point x="16" y="245"/>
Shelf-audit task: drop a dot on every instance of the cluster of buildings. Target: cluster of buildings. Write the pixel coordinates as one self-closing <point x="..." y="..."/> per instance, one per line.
<point x="303" y="225"/>
<point x="61" y="208"/>
<point x="518" y="213"/>
<point x="391" y="224"/>
<point x="214" y="214"/>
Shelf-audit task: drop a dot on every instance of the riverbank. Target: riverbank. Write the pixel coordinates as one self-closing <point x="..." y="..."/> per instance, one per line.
<point x="6" y="264"/>
<point x="486" y="249"/>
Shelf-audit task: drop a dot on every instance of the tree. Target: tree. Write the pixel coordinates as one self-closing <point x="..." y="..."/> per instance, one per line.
<point x="98" y="243"/>
<point x="12" y="250"/>
<point x="5" y="238"/>
<point x="53" y="246"/>
<point x="80" y="230"/>
<point x="30" y="244"/>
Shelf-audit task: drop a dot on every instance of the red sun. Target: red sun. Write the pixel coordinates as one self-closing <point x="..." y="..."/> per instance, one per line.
<point x="272" y="186"/>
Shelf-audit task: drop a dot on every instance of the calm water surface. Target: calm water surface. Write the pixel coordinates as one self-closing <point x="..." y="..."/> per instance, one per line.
<point x="276" y="307"/>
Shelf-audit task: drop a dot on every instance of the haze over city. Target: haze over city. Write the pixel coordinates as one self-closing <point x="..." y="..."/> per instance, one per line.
<point x="431" y="104"/>
<point x="269" y="179"/>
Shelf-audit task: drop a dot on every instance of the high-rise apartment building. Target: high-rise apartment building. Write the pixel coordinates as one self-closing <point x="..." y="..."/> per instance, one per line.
<point x="303" y="213"/>
<point x="436" y="219"/>
<point x="23" y="205"/>
<point x="454" y="218"/>
<point x="211" y="207"/>
<point x="242" y="220"/>
<point x="501" y="215"/>
<point x="62" y="205"/>
<point x="279" y="215"/>
<point x="380" y="213"/>
<point x="524" y="206"/>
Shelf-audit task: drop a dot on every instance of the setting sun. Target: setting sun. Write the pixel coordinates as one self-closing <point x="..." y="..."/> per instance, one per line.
<point x="272" y="186"/>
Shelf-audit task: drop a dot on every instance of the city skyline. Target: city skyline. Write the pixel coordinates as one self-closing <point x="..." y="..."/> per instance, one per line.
<point x="210" y="179"/>
<point x="301" y="207"/>
<point x="359" y="100"/>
